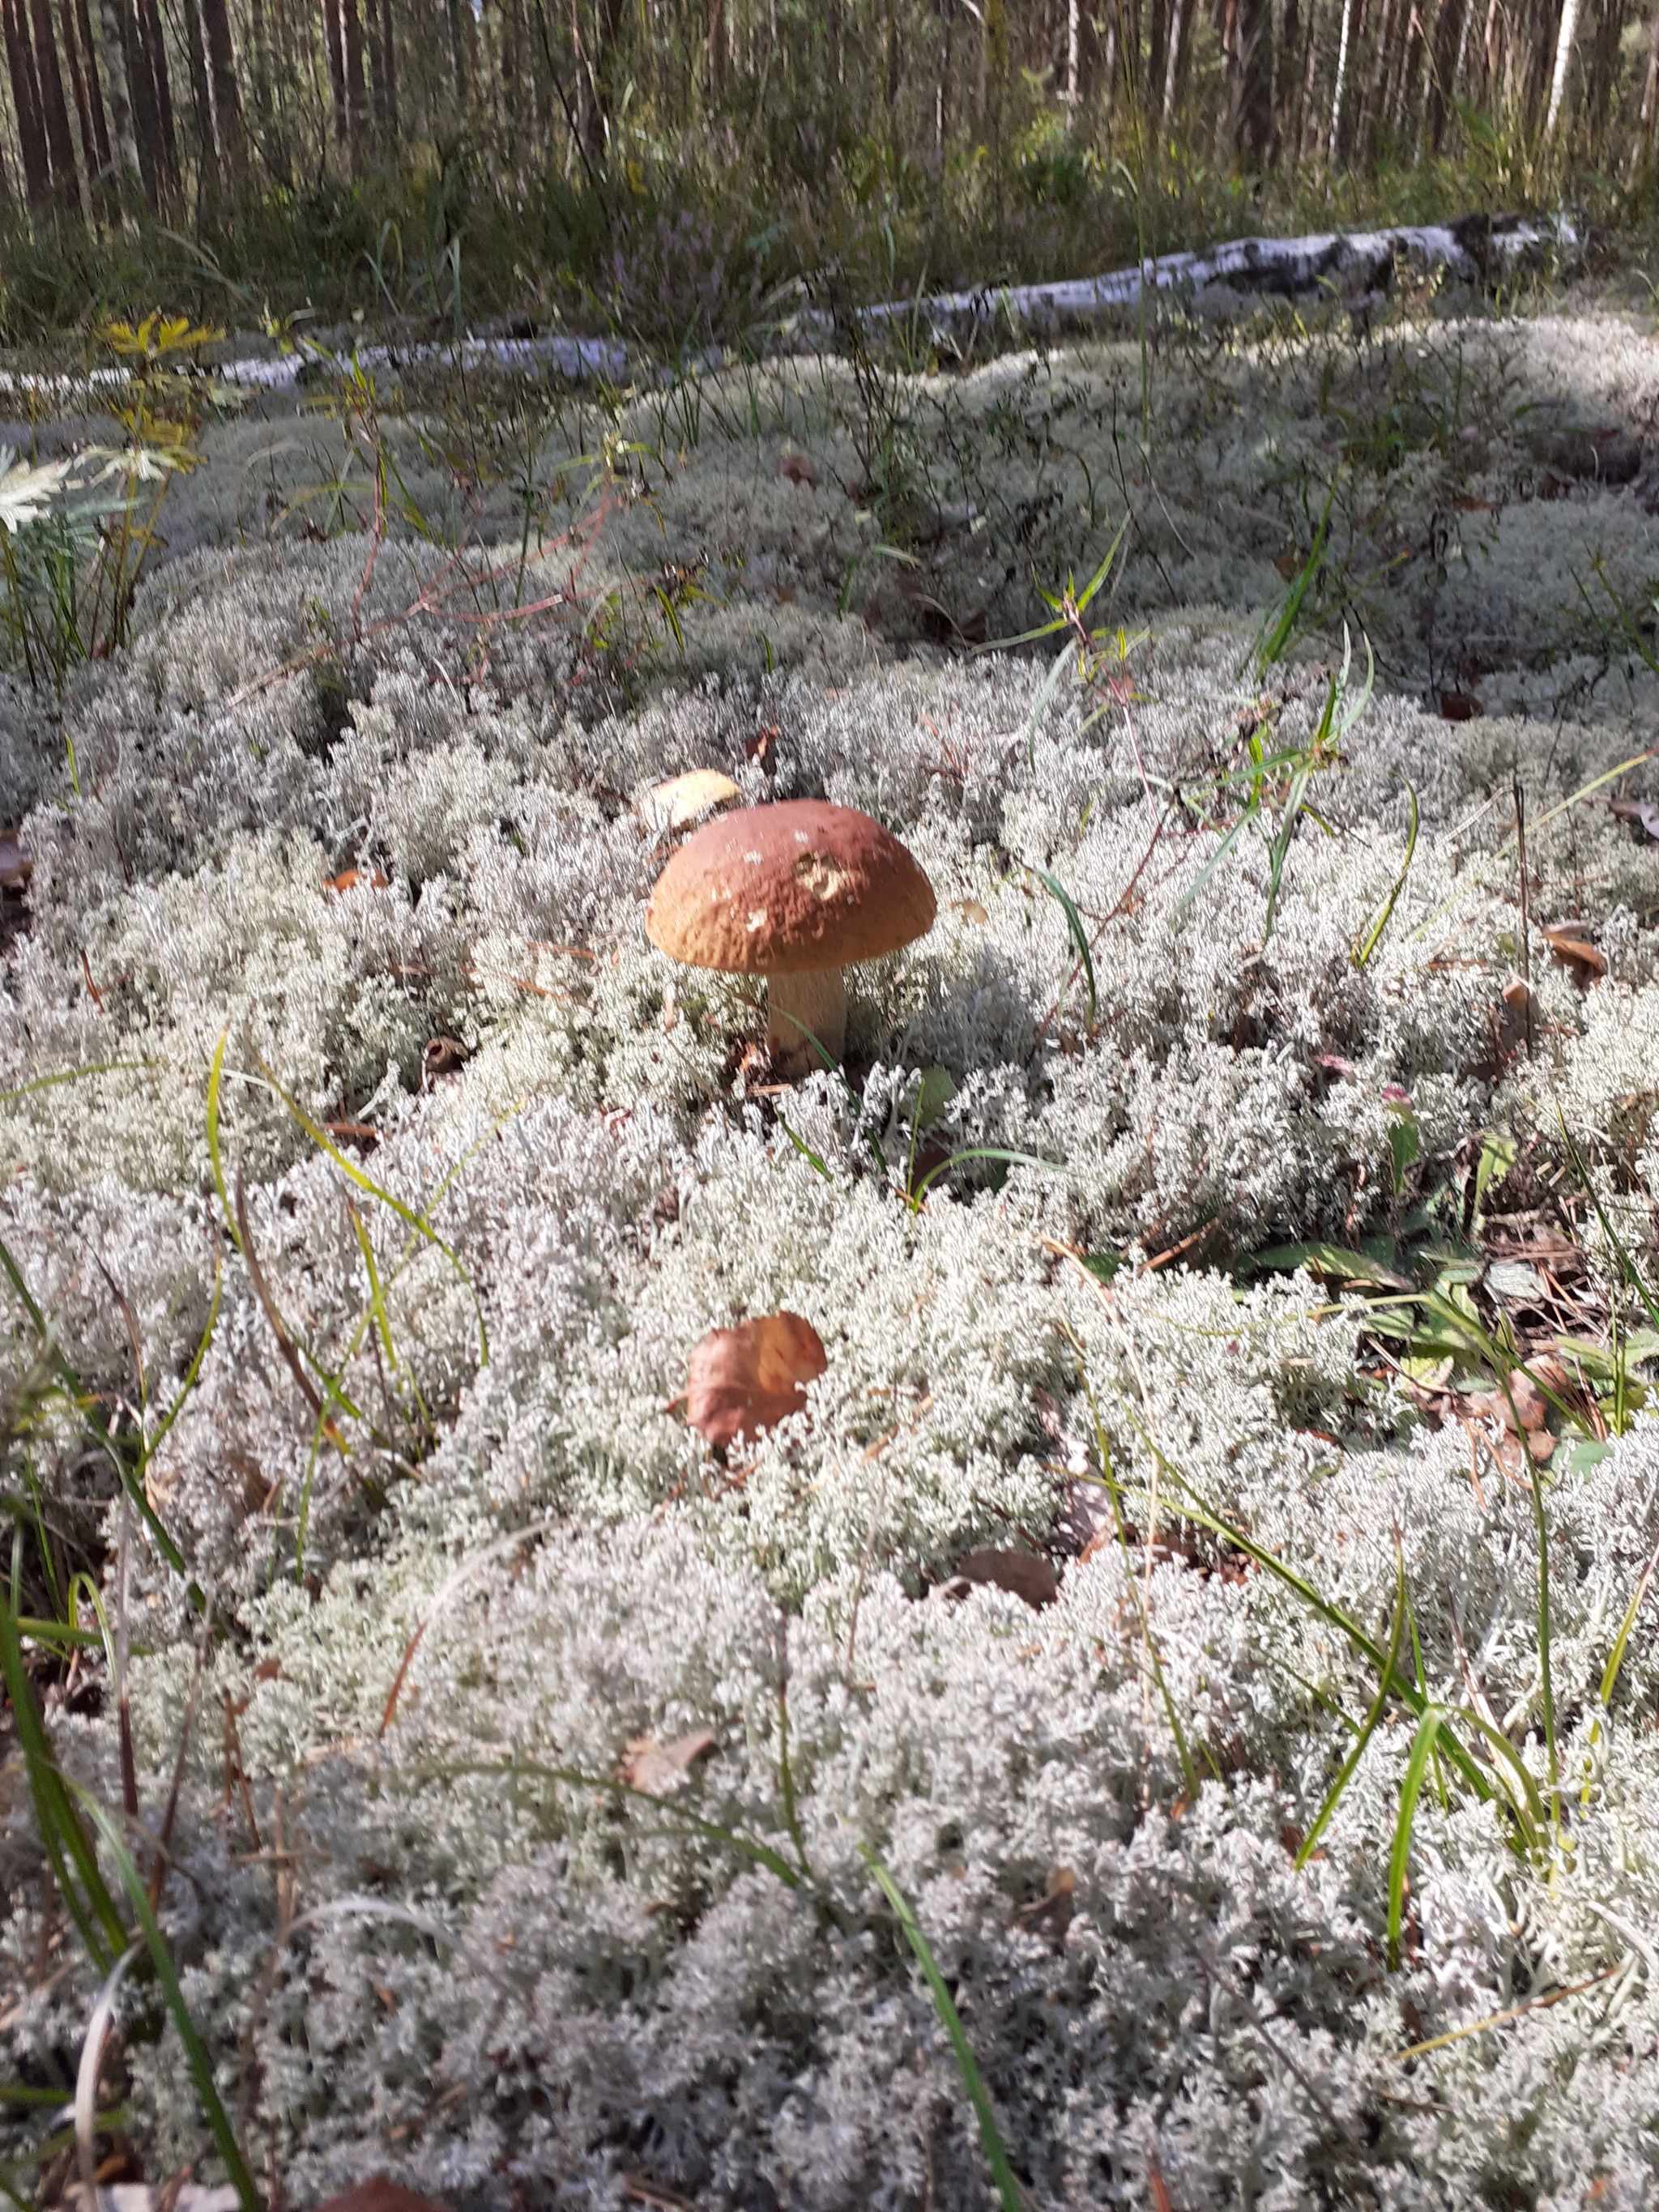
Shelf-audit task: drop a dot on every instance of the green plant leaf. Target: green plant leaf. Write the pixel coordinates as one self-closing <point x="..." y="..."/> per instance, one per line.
<point x="1416" y="1767"/>
<point x="1074" y="923"/>
<point x="989" y="2135"/>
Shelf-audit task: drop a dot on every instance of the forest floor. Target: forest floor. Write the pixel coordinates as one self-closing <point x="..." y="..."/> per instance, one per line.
<point x="1203" y="1607"/>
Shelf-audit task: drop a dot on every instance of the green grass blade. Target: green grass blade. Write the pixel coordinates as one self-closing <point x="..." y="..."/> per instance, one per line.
<point x="63" y="1838"/>
<point x="191" y="1372"/>
<point x="1632" y="1273"/>
<point x="1365" y="946"/>
<point x="1050" y="685"/>
<point x="407" y="1214"/>
<point x="216" y="1080"/>
<point x="572" y="1778"/>
<point x="1367" y="1727"/>
<point x="1278" y="631"/>
<point x="196" y="2052"/>
<point x="989" y="2135"/>
<point x="71" y="1384"/>
<point x="75" y="1074"/>
<point x="979" y="1152"/>
<point x="1616" y="1657"/>
<point x="1115" y="1492"/>
<point x="1428" y="1729"/>
<point x="805" y="1150"/>
<point x="1074" y="923"/>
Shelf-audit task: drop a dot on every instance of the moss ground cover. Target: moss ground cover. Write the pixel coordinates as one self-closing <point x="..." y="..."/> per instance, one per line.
<point x="1241" y="1201"/>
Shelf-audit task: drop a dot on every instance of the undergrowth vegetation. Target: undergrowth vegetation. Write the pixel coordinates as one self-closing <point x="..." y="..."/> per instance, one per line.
<point x="1171" y="1720"/>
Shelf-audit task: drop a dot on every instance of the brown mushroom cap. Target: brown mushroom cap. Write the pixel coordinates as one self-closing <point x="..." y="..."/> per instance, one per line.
<point x="784" y="890"/>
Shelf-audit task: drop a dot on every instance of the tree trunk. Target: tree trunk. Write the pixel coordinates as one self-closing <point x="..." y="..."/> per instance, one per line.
<point x="149" y="16"/>
<point x="89" y="99"/>
<point x="385" y="53"/>
<point x="225" y="91"/>
<point x="111" y="47"/>
<point x="60" y="143"/>
<point x="1253" y="82"/>
<point x="1339" y="85"/>
<point x="25" y="104"/>
<point x="1412" y="47"/>
<point x="1285" y="58"/>
<point x="1566" y="33"/>
<point x="1158" y="44"/>
<point x="1448" y="25"/>
<point x="1604" y="65"/>
<point x="1642" y="145"/>
<point x="458" y="46"/>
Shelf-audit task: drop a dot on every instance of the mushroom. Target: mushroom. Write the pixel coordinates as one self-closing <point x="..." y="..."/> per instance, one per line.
<point x="794" y="892"/>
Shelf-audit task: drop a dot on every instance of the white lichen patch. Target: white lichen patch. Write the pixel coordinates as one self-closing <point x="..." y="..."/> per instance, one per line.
<point x="480" y="1167"/>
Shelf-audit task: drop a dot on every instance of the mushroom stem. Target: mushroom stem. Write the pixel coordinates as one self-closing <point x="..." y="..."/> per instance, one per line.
<point x="814" y="1002"/>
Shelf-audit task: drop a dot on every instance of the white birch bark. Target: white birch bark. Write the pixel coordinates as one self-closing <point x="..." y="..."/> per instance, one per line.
<point x="1563" y="55"/>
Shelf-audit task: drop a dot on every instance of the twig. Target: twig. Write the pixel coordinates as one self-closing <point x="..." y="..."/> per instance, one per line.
<point x="1526" y="919"/>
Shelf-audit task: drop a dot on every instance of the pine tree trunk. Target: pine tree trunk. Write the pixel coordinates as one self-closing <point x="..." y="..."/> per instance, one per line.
<point x="25" y="104"/>
<point x="226" y="92"/>
<point x="1449" y="26"/>
<point x="60" y="143"/>
<point x="1253" y="82"/>
<point x="167" y="132"/>
<point x="105" y="39"/>
<point x="356" y="88"/>
<point x="1642" y="144"/>
<point x="208" y="163"/>
<point x="89" y="99"/>
<point x="335" y="49"/>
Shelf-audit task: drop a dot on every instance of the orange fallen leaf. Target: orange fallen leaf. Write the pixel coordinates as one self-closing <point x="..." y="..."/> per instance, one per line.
<point x="749" y="1378"/>
<point x="1023" y="1574"/>
<point x="1051" y="1914"/>
<point x="380" y="2195"/>
<point x="659" y="1767"/>
<point x="1583" y="961"/>
<point x="671" y="805"/>
<point x="348" y="879"/>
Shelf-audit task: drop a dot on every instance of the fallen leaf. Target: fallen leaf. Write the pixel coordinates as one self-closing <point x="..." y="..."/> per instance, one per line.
<point x="1582" y="959"/>
<point x="1023" y="1574"/>
<point x="1459" y="707"/>
<point x="971" y="910"/>
<point x="659" y="1767"/>
<point x="380" y="2195"/>
<point x="441" y="1055"/>
<point x="1641" y="814"/>
<point x="749" y="1378"/>
<point x="349" y="879"/>
<point x="1515" y="1279"/>
<point x="683" y="798"/>
<point x="758" y="748"/>
<point x="798" y="469"/>
<point x="1051" y="1914"/>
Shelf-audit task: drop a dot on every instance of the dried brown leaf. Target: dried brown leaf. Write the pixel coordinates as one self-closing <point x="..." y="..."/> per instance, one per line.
<point x="749" y="1378"/>
<point x="1023" y="1574"/>
<point x="1583" y="961"/>
<point x="380" y="2195"/>
<point x="659" y="1767"/>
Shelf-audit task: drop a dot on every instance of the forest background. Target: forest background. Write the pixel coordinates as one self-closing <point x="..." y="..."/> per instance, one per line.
<point x="681" y="170"/>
